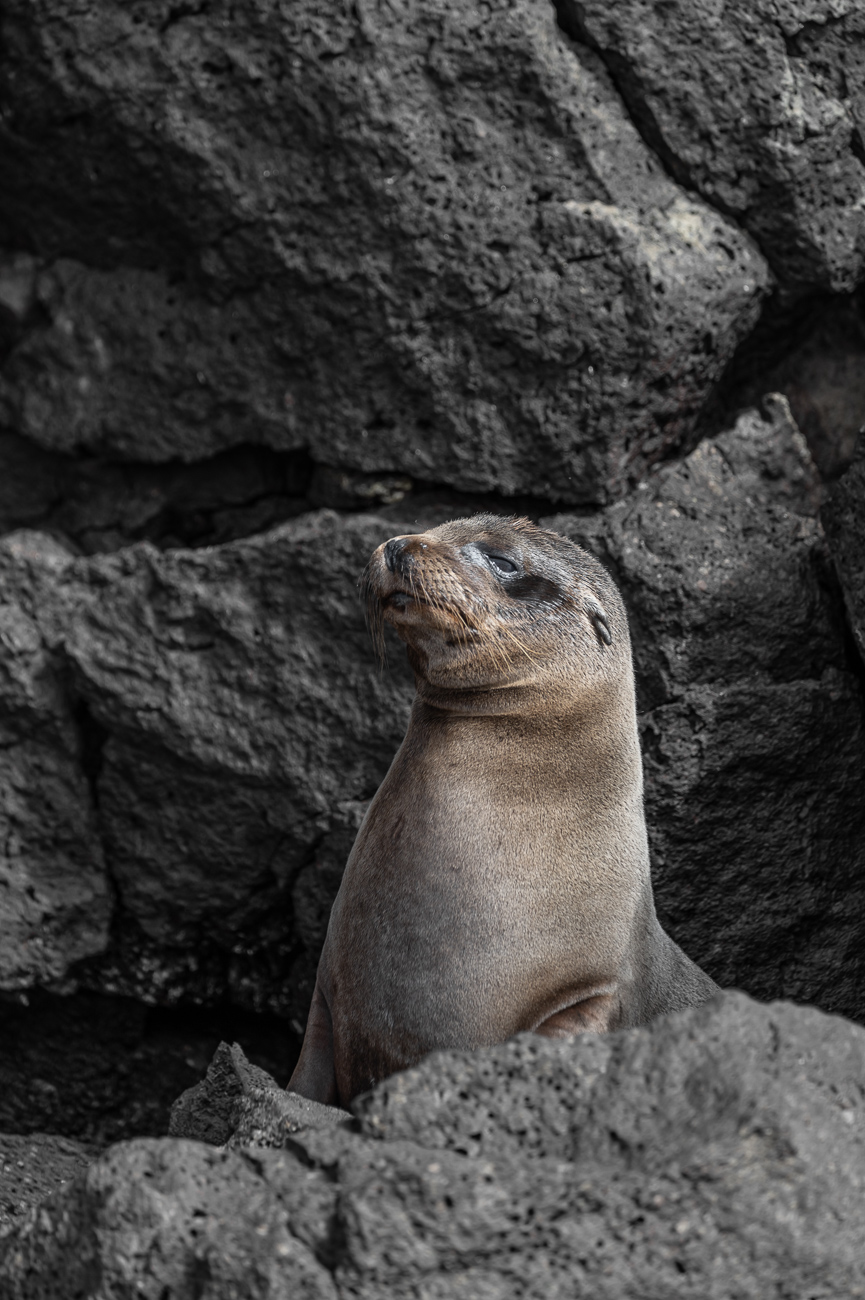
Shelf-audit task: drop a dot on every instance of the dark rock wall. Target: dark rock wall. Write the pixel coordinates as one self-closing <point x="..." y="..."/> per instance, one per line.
<point x="277" y="282"/>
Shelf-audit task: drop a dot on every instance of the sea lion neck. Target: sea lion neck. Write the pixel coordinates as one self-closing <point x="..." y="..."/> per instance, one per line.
<point x="515" y="699"/>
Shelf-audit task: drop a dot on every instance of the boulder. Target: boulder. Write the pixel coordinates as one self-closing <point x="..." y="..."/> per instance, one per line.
<point x="758" y="107"/>
<point x="818" y="363"/>
<point x="716" y="1152"/>
<point x="425" y="239"/>
<point x="238" y="1103"/>
<point x="751" y="712"/>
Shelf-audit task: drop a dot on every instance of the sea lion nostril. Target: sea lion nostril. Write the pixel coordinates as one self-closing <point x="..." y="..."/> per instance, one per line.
<point x="393" y="551"/>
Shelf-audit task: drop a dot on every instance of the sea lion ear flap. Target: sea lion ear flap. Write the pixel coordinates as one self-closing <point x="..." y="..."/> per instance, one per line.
<point x="599" y="619"/>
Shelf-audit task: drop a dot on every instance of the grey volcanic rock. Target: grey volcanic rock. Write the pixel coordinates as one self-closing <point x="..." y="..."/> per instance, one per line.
<point x="54" y="897"/>
<point x="244" y="707"/>
<point x="206" y="1111"/>
<point x="239" y="723"/>
<point x="32" y="1167"/>
<point x="759" y="107"/>
<point x="240" y="1103"/>
<point x="241" y="720"/>
<point x="823" y="378"/>
<point x="845" y="524"/>
<point x="102" y="505"/>
<point x="425" y="239"/>
<point x="714" y="1153"/>
<point x="168" y="1218"/>
<point x="751" y="713"/>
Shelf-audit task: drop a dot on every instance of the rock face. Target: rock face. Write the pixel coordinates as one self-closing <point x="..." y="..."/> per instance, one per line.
<point x="751" y="712"/>
<point x="496" y="290"/>
<point x="227" y="750"/>
<point x="717" y="1152"/>
<point x="53" y="888"/>
<point x="236" y="723"/>
<point x="845" y="522"/>
<point x="280" y="281"/>
<point x="760" y="108"/>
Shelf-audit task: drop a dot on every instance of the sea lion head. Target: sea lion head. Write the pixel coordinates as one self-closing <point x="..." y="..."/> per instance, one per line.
<point x="492" y="602"/>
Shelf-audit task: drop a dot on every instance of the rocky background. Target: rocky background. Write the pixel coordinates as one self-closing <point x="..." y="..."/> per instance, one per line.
<point x="278" y="281"/>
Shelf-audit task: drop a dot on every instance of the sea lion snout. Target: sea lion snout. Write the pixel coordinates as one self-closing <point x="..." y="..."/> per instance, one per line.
<point x="395" y="551"/>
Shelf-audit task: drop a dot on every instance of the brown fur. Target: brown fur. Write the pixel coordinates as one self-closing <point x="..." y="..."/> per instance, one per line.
<point x="500" y="879"/>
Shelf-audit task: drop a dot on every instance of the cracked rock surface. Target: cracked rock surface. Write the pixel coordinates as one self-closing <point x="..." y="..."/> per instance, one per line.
<point x="278" y="282"/>
<point x="750" y="710"/>
<point x="461" y="262"/>
<point x="55" y="902"/>
<point x="757" y="106"/>
<point x="845" y="523"/>
<point x="239" y="723"/>
<point x="225" y="754"/>
<point x="718" y="1151"/>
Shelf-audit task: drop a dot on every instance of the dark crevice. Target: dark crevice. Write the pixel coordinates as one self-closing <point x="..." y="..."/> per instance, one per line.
<point x="767" y="360"/>
<point x="800" y="44"/>
<point x="99" y="505"/>
<point x="253" y="970"/>
<point x="92" y="737"/>
<point x="829" y="580"/>
<point x="857" y="145"/>
<point x="570" y="17"/>
<point x="99" y="1068"/>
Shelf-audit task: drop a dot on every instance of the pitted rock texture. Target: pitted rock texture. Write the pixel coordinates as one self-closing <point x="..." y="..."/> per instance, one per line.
<point x="760" y="108"/>
<point x="751" y="712"/>
<point x="98" y="504"/>
<point x="228" y="753"/>
<point x="240" y="1104"/>
<point x="234" y="724"/>
<point x="717" y="1152"/>
<point x="31" y="1168"/>
<point x="423" y="238"/>
<point x="54" y="896"/>
<point x="844" y="515"/>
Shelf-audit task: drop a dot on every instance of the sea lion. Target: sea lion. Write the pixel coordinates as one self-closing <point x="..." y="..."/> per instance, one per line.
<point x="500" y="879"/>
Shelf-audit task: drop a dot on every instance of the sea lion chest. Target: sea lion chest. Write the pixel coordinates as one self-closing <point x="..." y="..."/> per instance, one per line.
<point x="471" y="902"/>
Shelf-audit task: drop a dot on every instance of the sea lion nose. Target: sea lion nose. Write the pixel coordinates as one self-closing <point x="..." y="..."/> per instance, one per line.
<point x="393" y="551"/>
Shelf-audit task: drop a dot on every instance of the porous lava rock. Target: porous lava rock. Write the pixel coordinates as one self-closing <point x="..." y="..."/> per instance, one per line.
<point x="759" y="107"/>
<point x="750" y="710"/>
<point x="823" y="377"/>
<point x="32" y="1167"/>
<point x="55" y="900"/>
<point x="717" y="1152"/>
<point x="844" y="515"/>
<point x="234" y="723"/>
<point x="240" y="719"/>
<point x="238" y="1103"/>
<point x="422" y="237"/>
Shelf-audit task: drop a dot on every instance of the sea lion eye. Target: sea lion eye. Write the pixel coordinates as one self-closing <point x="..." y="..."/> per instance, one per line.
<point x="502" y="564"/>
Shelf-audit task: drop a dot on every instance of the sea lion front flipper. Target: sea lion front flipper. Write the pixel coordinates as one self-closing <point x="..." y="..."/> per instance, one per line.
<point x="591" y="1015"/>
<point x="314" y="1075"/>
